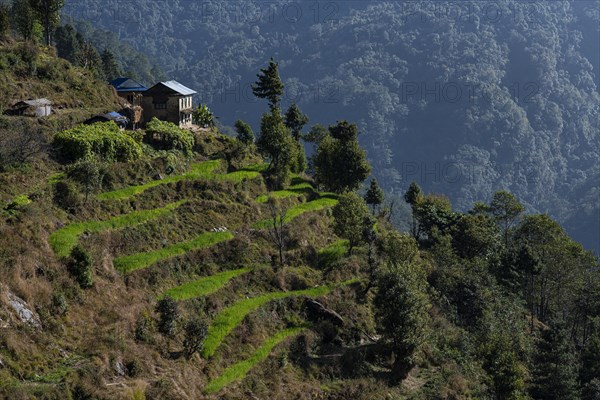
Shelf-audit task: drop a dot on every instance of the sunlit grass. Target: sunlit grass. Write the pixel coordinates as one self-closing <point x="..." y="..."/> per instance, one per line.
<point x="233" y="315"/>
<point x="133" y="262"/>
<point x="204" y="286"/>
<point x="294" y="190"/>
<point x="325" y="201"/>
<point x="333" y="252"/>
<point x="239" y="370"/>
<point x="65" y="239"/>
<point x="198" y="171"/>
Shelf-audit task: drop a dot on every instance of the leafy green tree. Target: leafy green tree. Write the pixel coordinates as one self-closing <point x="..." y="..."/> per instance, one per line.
<point x="434" y="212"/>
<point x="317" y="133"/>
<point x="412" y="196"/>
<point x="86" y="172"/>
<point x="110" y="66"/>
<point x="506" y="209"/>
<point x="401" y="305"/>
<point x="351" y="217"/>
<point x="244" y="132"/>
<point x="555" y="366"/>
<point x="339" y="151"/>
<point x="374" y="196"/>
<point x="195" y="331"/>
<point x="203" y="116"/>
<point x="48" y="11"/>
<point x="269" y="85"/>
<point x="590" y="357"/>
<point x="24" y="19"/>
<point x="278" y="231"/>
<point x="168" y="312"/>
<point x="80" y="266"/>
<point x="295" y="120"/>
<point x="4" y="20"/>
<point x="89" y="58"/>
<point x="503" y="364"/>
<point x="276" y="143"/>
<point x="67" y="43"/>
<point x="474" y="236"/>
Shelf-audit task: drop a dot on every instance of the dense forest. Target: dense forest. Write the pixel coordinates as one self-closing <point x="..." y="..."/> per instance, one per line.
<point x="465" y="98"/>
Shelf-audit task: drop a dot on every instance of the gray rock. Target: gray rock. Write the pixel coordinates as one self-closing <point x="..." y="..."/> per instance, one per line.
<point x="22" y="309"/>
<point x="120" y="368"/>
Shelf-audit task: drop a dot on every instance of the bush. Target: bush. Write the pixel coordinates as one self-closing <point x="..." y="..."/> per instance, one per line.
<point x="104" y="140"/>
<point x="168" y="136"/>
<point x="80" y="267"/>
<point x="168" y="313"/>
<point x="66" y="196"/>
<point x="17" y="204"/>
<point x="195" y="333"/>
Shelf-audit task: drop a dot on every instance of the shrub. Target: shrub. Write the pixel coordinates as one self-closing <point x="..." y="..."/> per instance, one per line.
<point x="80" y="266"/>
<point x="17" y="204"/>
<point x="66" y="196"/>
<point x="143" y="328"/>
<point x="104" y="140"/>
<point x="195" y="333"/>
<point x="168" y="313"/>
<point x="168" y="136"/>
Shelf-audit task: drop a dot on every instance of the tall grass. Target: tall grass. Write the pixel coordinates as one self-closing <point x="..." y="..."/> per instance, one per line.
<point x="239" y="370"/>
<point x="198" y="171"/>
<point x="204" y="286"/>
<point x="233" y="315"/>
<point x="325" y="201"/>
<point x="65" y="239"/>
<point x="133" y="262"/>
<point x="294" y="190"/>
<point x="333" y="252"/>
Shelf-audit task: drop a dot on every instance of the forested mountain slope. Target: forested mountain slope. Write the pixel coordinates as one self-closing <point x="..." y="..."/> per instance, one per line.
<point x="464" y="98"/>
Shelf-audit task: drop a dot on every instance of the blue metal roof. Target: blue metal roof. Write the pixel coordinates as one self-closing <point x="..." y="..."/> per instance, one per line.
<point x="179" y="88"/>
<point x="128" y="85"/>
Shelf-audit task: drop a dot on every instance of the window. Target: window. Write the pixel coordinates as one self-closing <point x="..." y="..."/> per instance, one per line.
<point x="160" y="106"/>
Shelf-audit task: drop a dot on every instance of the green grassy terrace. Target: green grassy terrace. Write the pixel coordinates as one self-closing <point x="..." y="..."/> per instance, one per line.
<point x="326" y="200"/>
<point x="133" y="262"/>
<point x="204" y="286"/>
<point x="239" y="370"/>
<point x="198" y="171"/>
<point x="294" y="190"/>
<point x="65" y="239"/>
<point x="233" y="315"/>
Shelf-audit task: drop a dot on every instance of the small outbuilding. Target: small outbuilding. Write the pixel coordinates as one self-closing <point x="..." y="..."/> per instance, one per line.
<point x="121" y="120"/>
<point x="129" y="89"/>
<point x="32" y="108"/>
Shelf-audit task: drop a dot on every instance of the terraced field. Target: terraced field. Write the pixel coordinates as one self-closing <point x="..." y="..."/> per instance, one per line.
<point x="233" y="315"/>
<point x="204" y="286"/>
<point x="296" y="190"/>
<point x="198" y="171"/>
<point x="239" y="370"/>
<point x="65" y="239"/>
<point x="326" y="200"/>
<point x="133" y="262"/>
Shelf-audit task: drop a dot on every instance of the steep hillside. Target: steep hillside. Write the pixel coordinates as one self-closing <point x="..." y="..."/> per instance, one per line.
<point x="172" y="263"/>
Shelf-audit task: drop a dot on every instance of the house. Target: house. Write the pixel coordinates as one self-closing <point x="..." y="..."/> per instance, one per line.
<point x="117" y="118"/>
<point x="32" y="108"/>
<point x="169" y="101"/>
<point x="130" y="90"/>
